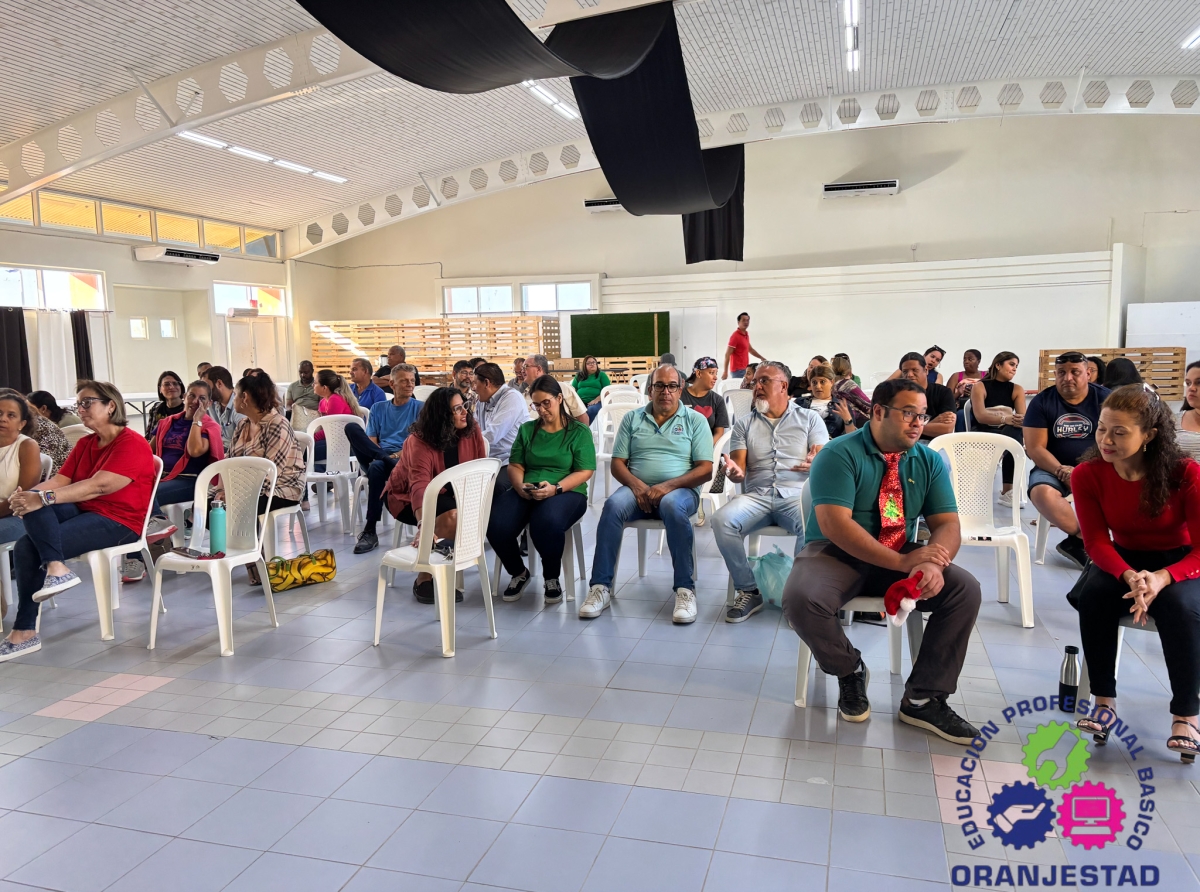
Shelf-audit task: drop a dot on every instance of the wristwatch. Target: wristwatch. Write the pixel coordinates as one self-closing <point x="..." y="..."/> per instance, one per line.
<point x="558" y="489"/>
<point x="47" y="496"/>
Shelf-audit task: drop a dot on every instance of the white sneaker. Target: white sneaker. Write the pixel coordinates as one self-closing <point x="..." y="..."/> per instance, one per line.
<point x="1005" y="499"/>
<point x="596" y="602"/>
<point x="685" y="606"/>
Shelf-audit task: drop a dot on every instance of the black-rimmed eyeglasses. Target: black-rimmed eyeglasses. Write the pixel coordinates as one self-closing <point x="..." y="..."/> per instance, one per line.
<point x="908" y="414"/>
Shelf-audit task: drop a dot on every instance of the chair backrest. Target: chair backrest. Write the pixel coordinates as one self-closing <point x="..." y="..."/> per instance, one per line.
<point x="337" y="447"/>
<point x="74" y="433"/>
<point x="638" y="382"/>
<point x="158" y="472"/>
<point x="422" y="391"/>
<point x="728" y="384"/>
<point x="738" y="402"/>
<point x="307" y="444"/>
<point x="242" y="479"/>
<point x="719" y="448"/>
<point x="973" y="461"/>
<point x="47" y="468"/>
<point x="608" y="421"/>
<point x="473" y="483"/>
<point x="621" y="395"/>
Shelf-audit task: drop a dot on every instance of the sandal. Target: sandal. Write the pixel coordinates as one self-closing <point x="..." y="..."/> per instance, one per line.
<point x="1185" y="744"/>
<point x="1098" y="729"/>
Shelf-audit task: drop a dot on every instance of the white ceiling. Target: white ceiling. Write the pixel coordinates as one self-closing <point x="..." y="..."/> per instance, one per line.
<point x="63" y="56"/>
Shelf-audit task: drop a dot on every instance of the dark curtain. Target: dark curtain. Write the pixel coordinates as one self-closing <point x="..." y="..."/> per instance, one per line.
<point x="718" y="234"/>
<point x="14" y="350"/>
<point x="83" y="345"/>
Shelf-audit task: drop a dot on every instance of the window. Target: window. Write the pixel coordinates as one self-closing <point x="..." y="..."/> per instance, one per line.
<point x="479" y="299"/>
<point x="139" y="328"/>
<point x="174" y="230"/>
<point x="552" y="297"/>
<point x="67" y="212"/>
<point x="19" y="210"/>
<point x="126" y="221"/>
<point x="223" y="237"/>
<point x="262" y="242"/>
<point x="166" y="328"/>
<point x="51" y="289"/>
<point x="267" y="300"/>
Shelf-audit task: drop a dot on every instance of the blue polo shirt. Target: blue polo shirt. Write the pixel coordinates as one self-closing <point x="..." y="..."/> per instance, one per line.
<point x="371" y="394"/>
<point x="656" y="454"/>
<point x="849" y="471"/>
<point x="389" y="423"/>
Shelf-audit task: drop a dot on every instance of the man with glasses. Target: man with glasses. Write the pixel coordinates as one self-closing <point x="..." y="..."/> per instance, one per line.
<point x="661" y="457"/>
<point x="770" y="453"/>
<point x="500" y="412"/>
<point x="1060" y="426"/>
<point x="867" y="490"/>
<point x="538" y="365"/>
<point x="939" y="399"/>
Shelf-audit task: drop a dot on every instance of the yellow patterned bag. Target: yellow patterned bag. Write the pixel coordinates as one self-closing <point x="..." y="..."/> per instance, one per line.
<point x="289" y="573"/>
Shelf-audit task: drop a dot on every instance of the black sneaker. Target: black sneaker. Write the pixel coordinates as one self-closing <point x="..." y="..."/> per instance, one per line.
<point x="1072" y="549"/>
<point x="554" y="593"/>
<point x="937" y="716"/>
<point x="852" y="695"/>
<point x="870" y="617"/>
<point x="744" y="606"/>
<point x="366" y="542"/>
<point x="516" y="586"/>
<point x="423" y="591"/>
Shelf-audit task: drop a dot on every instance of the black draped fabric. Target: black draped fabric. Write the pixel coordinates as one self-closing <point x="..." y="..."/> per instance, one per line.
<point x="83" y="345"/>
<point x="14" y="350"/>
<point x="718" y="234"/>
<point x="471" y="46"/>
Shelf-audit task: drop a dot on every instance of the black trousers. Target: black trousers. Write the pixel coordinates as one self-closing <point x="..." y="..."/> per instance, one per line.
<point x="1176" y="613"/>
<point x="445" y="502"/>
<point x="1006" y="464"/>
<point x="548" y="520"/>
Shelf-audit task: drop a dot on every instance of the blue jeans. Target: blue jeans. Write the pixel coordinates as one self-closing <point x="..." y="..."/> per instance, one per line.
<point x="57" y="533"/>
<point x="172" y="492"/>
<point x="740" y="373"/>
<point x="377" y="465"/>
<point x="11" y="529"/>
<point x="593" y="411"/>
<point x="741" y="517"/>
<point x="675" y="511"/>
<point x="1038" y="477"/>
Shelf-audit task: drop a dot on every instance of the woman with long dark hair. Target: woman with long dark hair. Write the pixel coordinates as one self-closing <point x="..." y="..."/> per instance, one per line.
<point x="336" y="399"/>
<point x="1096" y="369"/>
<point x="444" y="435"/>
<point x="170" y="401"/>
<point x="588" y="382"/>
<point x="20" y="461"/>
<point x="998" y="406"/>
<point x="47" y="406"/>
<point x="1138" y="501"/>
<point x="1121" y="371"/>
<point x="1187" y="422"/>
<point x="551" y="462"/>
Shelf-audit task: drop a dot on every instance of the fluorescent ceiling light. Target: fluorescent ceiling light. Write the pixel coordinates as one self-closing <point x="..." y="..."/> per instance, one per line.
<point x="249" y="153"/>
<point x="566" y="111"/>
<point x="201" y="139"/>
<point x="543" y="94"/>
<point x="331" y="177"/>
<point x="1192" y="42"/>
<point x="291" y="165"/>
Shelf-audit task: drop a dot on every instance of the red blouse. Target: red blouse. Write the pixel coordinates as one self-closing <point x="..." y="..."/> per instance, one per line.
<point x="1104" y="504"/>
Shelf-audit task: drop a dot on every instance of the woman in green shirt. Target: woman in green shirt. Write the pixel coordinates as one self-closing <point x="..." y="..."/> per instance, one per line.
<point x="588" y="383"/>
<point x="551" y="462"/>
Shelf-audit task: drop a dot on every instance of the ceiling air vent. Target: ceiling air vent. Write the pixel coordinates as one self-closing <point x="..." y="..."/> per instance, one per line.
<point x="858" y="190"/>
<point x="600" y="205"/>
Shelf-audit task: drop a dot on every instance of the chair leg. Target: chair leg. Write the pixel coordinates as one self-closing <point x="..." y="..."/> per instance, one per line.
<point x="641" y="536"/>
<point x="895" y="647"/>
<point x="341" y="490"/>
<point x="915" y="626"/>
<point x="269" y="548"/>
<point x="1002" y="575"/>
<point x="496" y="574"/>
<point x="266" y="584"/>
<point x="114" y="581"/>
<point x="222" y="584"/>
<point x="487" y="595"/>
<point x="802" y="661"/>
<point x="1025" y="586"/>
<point x="6" y="595"/>
<point x="154" y="607"/>
<point x="321" y="496"/>
<point x="102" y="580"/>
<point x="568" y="565"/>
<point x="303" y="532"/>
<point x="1120" y="648"/>
<point x="1041" y="539"/>
<point x="443" y="593"/>
<point x="579" y="555"/>
<point x="383" y="584"/>
<point x="662" y="542"/>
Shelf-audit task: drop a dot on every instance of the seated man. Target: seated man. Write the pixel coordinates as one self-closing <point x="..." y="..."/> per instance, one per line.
<point x="517" y="382"/>
<point x="366" y="391"/>
<point x="378" y="447"/>
<point x="383" y="375"/>
<point x="464" y="379"/>
<point x="868" y="488"/>
<point x="661" y="457"/>
<point x="939" y="399"/>
<point x="538" y="365"/>
<point x="301" y="399"/>
<point x="500" y="411"/>
<point x="222" y="410"/>
<point x="1060" y="426"/>
<point x="770" y="453"/>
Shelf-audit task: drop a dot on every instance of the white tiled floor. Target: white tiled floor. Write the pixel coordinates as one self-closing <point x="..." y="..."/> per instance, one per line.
<point x="625" y="752"/>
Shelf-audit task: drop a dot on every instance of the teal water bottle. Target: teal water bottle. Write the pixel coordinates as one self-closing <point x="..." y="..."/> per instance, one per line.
<point x="216" y="528"/>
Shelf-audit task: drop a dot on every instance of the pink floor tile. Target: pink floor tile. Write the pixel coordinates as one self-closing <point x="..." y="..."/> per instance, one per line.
<point x="91" y="711"/>
<point x="60" y="710"/>
<point x="119" y="681"/>
<point x="121" y="697"/>
<point x="948" y="787"/>
<point x="148" y="683"/>
<point x="89" y="695"/>
<point x="1004" y="772"/>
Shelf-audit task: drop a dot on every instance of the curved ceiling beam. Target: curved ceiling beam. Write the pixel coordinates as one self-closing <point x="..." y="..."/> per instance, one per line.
<point x="185" y="100"/>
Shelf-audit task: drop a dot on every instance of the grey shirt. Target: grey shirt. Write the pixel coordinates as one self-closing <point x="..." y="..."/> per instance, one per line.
<point x="499" y="420"/>
<point x="774" y="449"/>
<point x="227" y="417"/>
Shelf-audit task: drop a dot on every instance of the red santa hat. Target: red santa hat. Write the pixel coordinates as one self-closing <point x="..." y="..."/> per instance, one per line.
<point x="901" y="598"/>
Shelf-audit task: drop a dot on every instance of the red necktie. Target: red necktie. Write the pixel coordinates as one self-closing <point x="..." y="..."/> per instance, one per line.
<point x="893" y="530"/>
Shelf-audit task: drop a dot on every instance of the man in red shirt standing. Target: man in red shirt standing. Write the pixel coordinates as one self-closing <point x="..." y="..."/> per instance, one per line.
<point x="738" y="352"/>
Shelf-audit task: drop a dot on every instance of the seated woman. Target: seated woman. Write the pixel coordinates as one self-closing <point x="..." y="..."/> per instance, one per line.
<point x="336" y="399"/>
<point x="1139" y="489"/>
<point x="1096" y="369"/>
<point x="834" y="409"/>
<point x="1121" y="371"/>
<point x="49" y="437"/>
<point x="47" y="406"/>
<point x="1187" y="422"/>
<point x="961" y="382"/>
<point x="846" y="386"/>
<point x="698" y="394"/>
<point x="170" y="396"/>
<point x="748" y="378"/>
<point x="444" y="435"/>
<point x="98" y="500"/>
<point x="265" y="433"/>
<point x="933" y="358"/>
<point x="20" y="461"/>
<point x="998" y="406"/>
<point x="588" y="382"/>
<point x="187" y="443"/>
<point x="552" y="460"/>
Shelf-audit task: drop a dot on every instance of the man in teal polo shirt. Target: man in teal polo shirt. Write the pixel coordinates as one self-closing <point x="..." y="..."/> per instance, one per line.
<point x="661" y="457"/>
<point x="867" y="490"/>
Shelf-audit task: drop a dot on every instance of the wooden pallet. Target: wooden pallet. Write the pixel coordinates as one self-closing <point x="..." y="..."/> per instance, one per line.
<point x="1161" y="366"/>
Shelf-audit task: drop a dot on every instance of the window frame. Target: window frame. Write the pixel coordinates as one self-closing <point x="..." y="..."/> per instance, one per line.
<point x="145" y="321"/>
<point x="102" y="290"/>
<point x="517" y="283"/>
<point x="286" y="301"/>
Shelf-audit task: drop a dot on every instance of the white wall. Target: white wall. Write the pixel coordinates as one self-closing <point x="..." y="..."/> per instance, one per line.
<point x="137" y="363"/>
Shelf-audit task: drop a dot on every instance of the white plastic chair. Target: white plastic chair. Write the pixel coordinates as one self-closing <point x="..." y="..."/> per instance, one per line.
<point x="337" y="463"/>
<point x="74" y="433"/>
<point x="608" y="422"/>
<point x="105" y="564"/>
<point x="292" y="512"/>
<point x="6" y="548"/>
<point x="242" y="479"/>
<point x="974" y="458"/>
<point x="738" y="403"/>
<point x="617" y="394"/>
<point x="728" y="384"/>
<point x="422" y="391"/>
<point x="1042" y="536"/>
<point x="717" y="500"/>
<point x="1125" y="622"/>
<point x="572" y="552"/>
<point x="638" y="382"/>
<point x="473" y="483"/>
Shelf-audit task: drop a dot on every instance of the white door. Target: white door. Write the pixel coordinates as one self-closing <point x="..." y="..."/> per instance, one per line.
<point x="253" y="344"/>
<point x="266" y="351"/>
<point x="694" y="334"/>
<point x="240" y="335"/>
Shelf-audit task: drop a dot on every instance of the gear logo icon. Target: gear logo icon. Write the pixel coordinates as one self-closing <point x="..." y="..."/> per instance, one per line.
<point x="1049" y="773"/>
<point x="1021" y="815"/>
<point x="1091" y="815"/>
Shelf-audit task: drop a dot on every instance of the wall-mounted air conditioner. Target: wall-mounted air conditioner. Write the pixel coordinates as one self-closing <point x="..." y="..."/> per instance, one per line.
<point x="163" y="254"/>
<point x="858" y="190"/>
<point x="239" y="312"/>
<point x="600" y="205"/>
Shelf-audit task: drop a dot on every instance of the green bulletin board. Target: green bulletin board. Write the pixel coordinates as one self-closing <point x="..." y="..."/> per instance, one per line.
<point x="620" y="334"/>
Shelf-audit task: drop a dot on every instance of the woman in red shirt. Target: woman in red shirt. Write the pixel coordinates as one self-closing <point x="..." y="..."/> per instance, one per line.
<point x="1138" y="488"/>
<point x="98" y="499"/>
